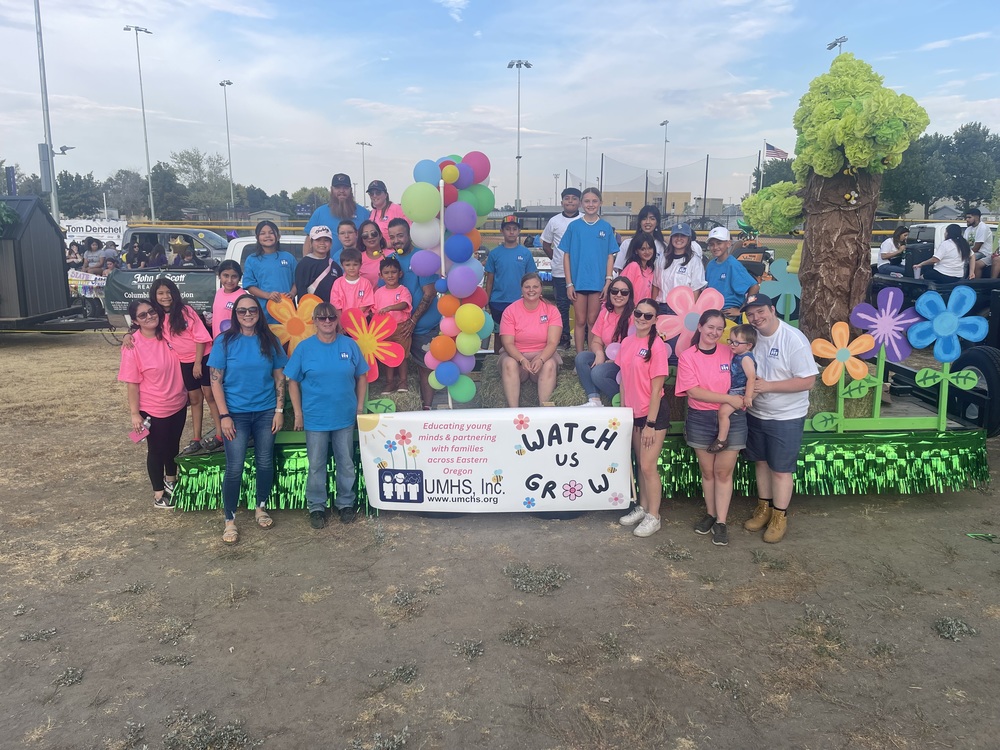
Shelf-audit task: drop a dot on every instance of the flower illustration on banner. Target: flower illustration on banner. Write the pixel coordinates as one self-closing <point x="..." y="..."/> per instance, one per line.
<point x="390" y="445"/>
<point x="372" y="340"/>
<point x="944" y="324"/>
<point x="295" y="324"/>
<point x="412" y="451"/>
<point x="573" y="490"/>
<point x="519" y="449"/>
<point x="529" y="502"/>
<point x="888" y="323"/>
<point x="403" y="437"/>
<point x="683" y="323"/>
<point x="616" y="498"/>
<point x="844" y="353"/>
<point x="522" y="422"/>
<point x="614" y="423"/>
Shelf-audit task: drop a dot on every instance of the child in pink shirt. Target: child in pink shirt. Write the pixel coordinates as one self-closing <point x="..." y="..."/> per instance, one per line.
<point x="230" y="275"/>
<point x="395" y="300"/>
<point x="352" y="291"/>
<point x="639" y="266"/>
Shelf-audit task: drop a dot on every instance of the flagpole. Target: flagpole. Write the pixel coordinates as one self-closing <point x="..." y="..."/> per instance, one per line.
<point x="760" y="172"/>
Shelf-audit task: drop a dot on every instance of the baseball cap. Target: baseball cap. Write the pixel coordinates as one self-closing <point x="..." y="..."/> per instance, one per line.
<point x="340" y="180"/>
<point x="376" y="185"/>
<point x="510" y="220"/>
<point x="320" y="231"/>
<point x="571" y="191"/>
<point x="682" y="228"/>
<point x="719" y="233"/>
<point x="755" y="300"/>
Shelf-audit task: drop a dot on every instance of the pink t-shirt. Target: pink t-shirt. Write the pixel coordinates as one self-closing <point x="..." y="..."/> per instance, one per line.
<point x="637" y="374"/>
<point x="395" y="211"/>
<point x="642" y="280"/>
<point x="530" y="328"/>
<point x="154" y="366"/>
<point x="356" y="295"/>
<point x="384" y="296"/>
<point x="222" y="310"/>
<point x="604" y="327"/>
<point x="184" y="342"/>
<point x="698" y="369"/>
<point x="370" y="267"/>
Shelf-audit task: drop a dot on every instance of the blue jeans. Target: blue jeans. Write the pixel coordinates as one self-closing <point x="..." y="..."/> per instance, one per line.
<point x="562" y="305"/>
<point x="598" y="380"/>
<point x="318" y="444"/>
<point x="258" y="424"/>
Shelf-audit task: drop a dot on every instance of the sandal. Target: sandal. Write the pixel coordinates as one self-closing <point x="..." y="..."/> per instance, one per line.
<point x="718" y="446"/>
<point x="230" y="535"/>
<point x="264" y="520"/>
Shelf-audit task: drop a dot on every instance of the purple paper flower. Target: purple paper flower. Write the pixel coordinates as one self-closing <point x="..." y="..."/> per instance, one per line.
<point x="573" y="490"/>
<point x="888" y="324"/>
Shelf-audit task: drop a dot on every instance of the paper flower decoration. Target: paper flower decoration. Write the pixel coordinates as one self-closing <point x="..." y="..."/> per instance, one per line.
<point x="887" y="324"/>
<point x="844" y="353"/>
<point x="684" y="321"/>
<point x="784" y="287"/>
<point x="945" y="324"/>
<point x="295" y="324"/>
<point x="371" y="338"/>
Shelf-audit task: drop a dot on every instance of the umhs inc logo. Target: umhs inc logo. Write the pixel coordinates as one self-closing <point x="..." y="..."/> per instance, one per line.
<point x="401" y="485"/>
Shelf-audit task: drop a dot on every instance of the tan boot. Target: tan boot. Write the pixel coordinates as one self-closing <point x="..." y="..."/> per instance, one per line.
<point x="777" y="526"/>
<point x="760" y="517"/>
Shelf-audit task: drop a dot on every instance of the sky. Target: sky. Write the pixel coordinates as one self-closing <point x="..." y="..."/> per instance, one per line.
<point x="421" y="79"/>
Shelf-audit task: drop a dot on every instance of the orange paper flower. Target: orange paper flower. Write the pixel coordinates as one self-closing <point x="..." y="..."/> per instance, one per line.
<point x="844" y="353"/>
<point x="295" y="324"/>
<point x="371" y="338"/>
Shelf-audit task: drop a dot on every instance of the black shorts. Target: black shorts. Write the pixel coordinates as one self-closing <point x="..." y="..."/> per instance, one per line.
<point x="776" y="441"/>
<point x="496" y="310"/>
<point x="191" y="383"/>
<point x="662" y="419"/>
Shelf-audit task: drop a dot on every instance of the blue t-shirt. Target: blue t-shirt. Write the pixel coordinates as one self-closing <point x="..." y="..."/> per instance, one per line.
<point x="430" y="320"/>
<point x="588" y="246"/>
<point x="270" y="272"/>
<point x="323" y="218"/>
<point x="327" y="374"/>
<point x="249" y="379"/>
<point x="730" y="278"/>
<point x="508" y="265"/>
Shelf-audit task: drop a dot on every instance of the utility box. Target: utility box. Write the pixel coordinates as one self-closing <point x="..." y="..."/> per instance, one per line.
<point x="33" y="282"/>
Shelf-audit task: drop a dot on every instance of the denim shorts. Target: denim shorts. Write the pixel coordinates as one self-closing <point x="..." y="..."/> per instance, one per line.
<point x="701" y="427"/>
<point x="417" y="346"/>
<point x="776" y="441"/>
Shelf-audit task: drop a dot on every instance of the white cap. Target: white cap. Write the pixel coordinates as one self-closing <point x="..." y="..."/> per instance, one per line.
<point x="719" y="233"/>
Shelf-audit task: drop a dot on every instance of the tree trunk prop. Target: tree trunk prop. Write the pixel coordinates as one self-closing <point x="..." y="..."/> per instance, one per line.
<point x="836" y="256"/>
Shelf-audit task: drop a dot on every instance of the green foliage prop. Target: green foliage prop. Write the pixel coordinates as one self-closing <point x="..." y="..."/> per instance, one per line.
<point x="774" y="210"/>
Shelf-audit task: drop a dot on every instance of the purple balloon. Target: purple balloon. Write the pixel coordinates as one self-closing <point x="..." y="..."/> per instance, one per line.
<point x="447" y="373"/>
<point x="466" y="176"/>
<point x="460" y="217"/>
<point x="458" y="248"/>
<point x="424" y="263"/>
<point x="466" y="362"/>
<point x="462" y="281"/>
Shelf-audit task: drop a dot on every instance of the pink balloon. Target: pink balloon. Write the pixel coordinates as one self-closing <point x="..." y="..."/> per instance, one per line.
<point x="480" y="164"/>
<point x="612" y="350"/>
<point x="449" y="327"/>
<point x="430" y="362"/>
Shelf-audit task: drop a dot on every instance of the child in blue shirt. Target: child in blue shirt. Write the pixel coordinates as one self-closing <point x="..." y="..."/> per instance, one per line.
<point x="743" y="374"/>
<point x="506" y="264"/>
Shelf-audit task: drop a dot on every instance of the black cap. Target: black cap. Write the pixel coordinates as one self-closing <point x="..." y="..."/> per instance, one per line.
<point x="571" y="191"/>
<point x="376" y="185"/>
<point x="340" y="180"/>
<point x="510" y="220"/>
<point x="757" y="300"/>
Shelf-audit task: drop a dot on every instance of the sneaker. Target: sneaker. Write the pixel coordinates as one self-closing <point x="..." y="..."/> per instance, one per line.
<point x="704" y="525"/>
<point x="720" y="535"/>
<point x="347" y="514"/>
<point x="211" y="444"/>
<point x="317" y="519"/>
<point x="633" y="517"/>
<point x="591" y="402"/>
<point x="193" y="447"/>
<point x="649" y="526"/>
<point x="163" y="502"/>
<point x="168" y="487"/>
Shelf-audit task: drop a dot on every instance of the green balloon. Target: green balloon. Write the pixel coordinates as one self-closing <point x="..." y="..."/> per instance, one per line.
<point x="456" y="158"/>
<point x="421" y="202"/>
<point x="435" y="383"/>
<point x="484" y="200"/>
<point x="463" y="390"/>
<point x="469" y="197"/>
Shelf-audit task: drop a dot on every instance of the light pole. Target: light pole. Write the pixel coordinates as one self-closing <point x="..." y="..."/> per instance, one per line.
<point x="555" y="195"/>
<point x="518" y="64"/>
<point x="586" y="158"/>
<point x="142" y="101"/>
<point x="838" y="43"/>
<point x="663" y="208"/>
<point x="364" y="179"/>
<point x="229" y="147"/>
<point x="54" y="196"/>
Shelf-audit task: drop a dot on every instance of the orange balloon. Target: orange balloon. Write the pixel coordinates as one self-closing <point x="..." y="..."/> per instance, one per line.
<point x="442" y="348"/>
<point x="448" y="305"/>
<point x="477" y="239"/>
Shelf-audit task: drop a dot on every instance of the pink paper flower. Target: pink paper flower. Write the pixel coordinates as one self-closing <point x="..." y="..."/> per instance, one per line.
<point x="683" y="323"/>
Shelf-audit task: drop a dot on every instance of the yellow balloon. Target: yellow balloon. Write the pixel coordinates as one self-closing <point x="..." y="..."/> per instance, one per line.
<point x="450" y="173"/>
<point x="470" y="318"/>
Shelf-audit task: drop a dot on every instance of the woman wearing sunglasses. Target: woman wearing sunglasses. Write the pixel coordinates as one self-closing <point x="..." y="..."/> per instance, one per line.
<point x="156" y="394"/>
<point x="703" y="374"/>
<point x="644" y="368"/>
<point x="598" y="373"/>
<point x="372" y="248"/>
<point x="249" y="387"/>
<point x="322" y="370"/>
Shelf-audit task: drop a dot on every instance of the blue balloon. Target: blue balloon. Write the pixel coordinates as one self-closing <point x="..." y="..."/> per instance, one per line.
<point x="426" y="171"/>
<point x="487" y="328"/>
<point x="447" y="373"/>
<point x="465" y="177"/>
<point x="458" y="248"/>
<point x="441" y="286"/>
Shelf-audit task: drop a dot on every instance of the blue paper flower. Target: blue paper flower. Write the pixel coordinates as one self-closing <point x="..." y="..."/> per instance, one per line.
<point x="784" y="285"/>
<point x="944" y="324"/>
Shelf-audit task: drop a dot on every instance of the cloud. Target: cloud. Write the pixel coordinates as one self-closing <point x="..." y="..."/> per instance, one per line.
<point x="454" y="7"/>
<point x="943" y="43"/>
<point x="742" y="105"/>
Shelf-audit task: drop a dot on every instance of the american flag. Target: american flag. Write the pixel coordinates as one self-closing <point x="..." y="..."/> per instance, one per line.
<point x="772" y="152"/>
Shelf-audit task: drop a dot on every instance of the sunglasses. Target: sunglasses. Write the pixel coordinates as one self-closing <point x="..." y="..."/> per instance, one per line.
<point x="324" y="318"/>
<point x="737" y="343"/>
<point x="146" y="315"/>
<point x="620" y="292"/>
<point x="370" y="235"/>
<point x="644" y="316"/>
<point x="247" y="311"/>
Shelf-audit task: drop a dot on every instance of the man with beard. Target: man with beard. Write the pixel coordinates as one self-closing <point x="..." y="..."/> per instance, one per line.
<point x="341" y="206"/>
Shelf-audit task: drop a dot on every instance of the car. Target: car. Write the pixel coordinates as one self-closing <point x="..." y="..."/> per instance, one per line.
<point x="209" y="247"/>
<point x="241" y="248"/>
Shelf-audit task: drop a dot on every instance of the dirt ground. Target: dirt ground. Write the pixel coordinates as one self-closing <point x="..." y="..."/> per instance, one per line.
<point x="126" y="627"/>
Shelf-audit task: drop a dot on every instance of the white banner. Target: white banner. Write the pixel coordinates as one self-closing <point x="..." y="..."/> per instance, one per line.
<point x="80" y="229"/>
<point x="498" y="460"/>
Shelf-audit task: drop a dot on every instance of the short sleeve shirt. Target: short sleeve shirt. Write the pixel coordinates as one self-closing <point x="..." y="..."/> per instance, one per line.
<point x="730" y="279"/>
<point x="248" y="381"/>
<point x="152" y="364"/>
<point x="352" y="295"/>
<point x="553" y="234"/>
<point x="701" y="369"/>
<point x="783" y="356"/>
<point x="194" y="333"/>
<point x="222" y="309"/>
<point x="605" y="325"/>
<point x="587" y="247"/>
<point x="327" y="375"/>
<point x="384" y="297"/>
<point x="508" y="265"/>
<point x="637" y="374"/>
<point x="530" y="328"/>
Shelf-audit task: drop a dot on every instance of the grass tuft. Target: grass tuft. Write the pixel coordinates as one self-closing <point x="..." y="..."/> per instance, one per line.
<point x="540" y="582"/>
<point x="952" y="629"/>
